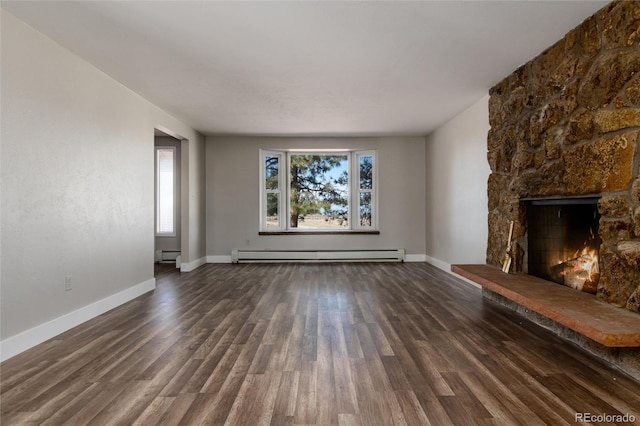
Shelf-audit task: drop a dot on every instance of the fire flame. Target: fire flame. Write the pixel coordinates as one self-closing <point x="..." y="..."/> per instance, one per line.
<point x="588" y="261"/>
<point x="580" y="272"/>
<point x="585" y="259"/>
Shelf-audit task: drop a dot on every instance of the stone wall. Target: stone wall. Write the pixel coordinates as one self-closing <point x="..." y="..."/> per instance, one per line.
<point x="567" y="124"/>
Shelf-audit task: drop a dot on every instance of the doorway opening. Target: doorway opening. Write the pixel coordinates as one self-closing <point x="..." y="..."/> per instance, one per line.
<point x="167" y="200"/>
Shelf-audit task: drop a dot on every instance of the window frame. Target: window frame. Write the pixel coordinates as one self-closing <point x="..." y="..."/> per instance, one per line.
<point x="281" y="191"/>
<point x="158" y="210"/>
<point x="357" y="190"/>
<point x="353" y="188"/>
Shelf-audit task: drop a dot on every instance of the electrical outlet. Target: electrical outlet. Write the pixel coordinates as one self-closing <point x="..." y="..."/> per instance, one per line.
<point x="67" y="283"/>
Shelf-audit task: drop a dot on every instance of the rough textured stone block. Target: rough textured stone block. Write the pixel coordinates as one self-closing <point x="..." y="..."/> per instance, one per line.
<point x="630" y="251"/>
<point x="553" y="143"/>
<point x="614" y="230"/>
<point x="633" y="91"/>
<point x="524" y="160"/>
<point x="607" y="76"/>
<point x="496" y="241"/>
<point x="590" y="37"/>
<point x="635" y="190"/>
<point x="618" y="281"/>
<point x="603" y="166"/>
<point x="565" y="71"/>
<point x="633" y="304"/>
<point x="543" y="119"/>
<point x="622" y="25"/>
<point x="493" y="157"/>
<point x="496" y="184"/>
<point x="617" y="119"/>
<point x="614" y="206"/>
<point x="545" y="181"/>
<point x="581" y="127"/>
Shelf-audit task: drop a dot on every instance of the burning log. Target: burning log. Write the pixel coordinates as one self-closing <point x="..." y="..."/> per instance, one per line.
<point x="580" y="272"/>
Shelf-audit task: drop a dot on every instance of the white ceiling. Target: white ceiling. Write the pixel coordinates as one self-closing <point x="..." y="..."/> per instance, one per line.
<point x="307" y="68"/>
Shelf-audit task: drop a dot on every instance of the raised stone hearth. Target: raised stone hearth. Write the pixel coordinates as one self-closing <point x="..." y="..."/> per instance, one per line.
<point x="567" y="124"/>
<point x="608" y="325"/>
<point x="610" y="332"/>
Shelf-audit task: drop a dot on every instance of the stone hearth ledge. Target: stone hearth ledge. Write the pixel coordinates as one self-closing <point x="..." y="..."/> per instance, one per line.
<point x="583" y="313"/>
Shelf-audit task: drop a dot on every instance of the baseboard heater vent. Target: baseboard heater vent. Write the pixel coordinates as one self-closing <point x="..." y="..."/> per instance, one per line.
<point x="167" y="256"/>
<point x="391" y="255"/>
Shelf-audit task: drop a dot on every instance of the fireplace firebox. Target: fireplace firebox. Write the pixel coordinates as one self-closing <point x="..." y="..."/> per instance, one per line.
<point x="563" y="241"/>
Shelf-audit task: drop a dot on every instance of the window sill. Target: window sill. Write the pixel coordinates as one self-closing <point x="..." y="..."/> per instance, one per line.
<point x="349" y="232"/>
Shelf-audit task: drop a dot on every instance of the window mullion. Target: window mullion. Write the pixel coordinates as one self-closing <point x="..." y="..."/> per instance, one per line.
<point x="287" y="192"/>
<point x="350" y="181"/>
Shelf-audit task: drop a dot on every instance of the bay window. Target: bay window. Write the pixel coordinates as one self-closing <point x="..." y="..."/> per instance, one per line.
<point x="318" y="190"/>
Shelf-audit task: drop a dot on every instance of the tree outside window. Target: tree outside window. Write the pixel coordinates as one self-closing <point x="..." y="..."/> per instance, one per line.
<point x="319" y="190"/>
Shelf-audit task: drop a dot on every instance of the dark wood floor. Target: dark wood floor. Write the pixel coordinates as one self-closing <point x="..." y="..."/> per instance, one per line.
<point x="350" y="344"/>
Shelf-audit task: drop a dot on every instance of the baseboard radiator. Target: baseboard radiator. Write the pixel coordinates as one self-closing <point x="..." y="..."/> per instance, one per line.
<point x="391" y="255"/>
<point x="167" y="256"/>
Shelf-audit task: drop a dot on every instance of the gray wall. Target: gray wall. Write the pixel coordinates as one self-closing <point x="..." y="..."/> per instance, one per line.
<point x="233" y="194"/>
<point x="77" y="186"/>
<point x="456" y="188"/>
<point x="193" y="193"/>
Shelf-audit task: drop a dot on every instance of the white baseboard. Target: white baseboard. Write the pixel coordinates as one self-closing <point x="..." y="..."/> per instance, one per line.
<point x="408" y="258"/>
<point x="447" y="268"/>
<point x="218" y="259"/>
<point x="438" y="263"/>
<point x="27" y="339"/>
<point x="190" y="266"/>
<point x="415" y="258"/>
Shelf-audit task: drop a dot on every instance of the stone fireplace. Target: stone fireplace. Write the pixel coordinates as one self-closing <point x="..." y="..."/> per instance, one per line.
<point x="567" y="125"/>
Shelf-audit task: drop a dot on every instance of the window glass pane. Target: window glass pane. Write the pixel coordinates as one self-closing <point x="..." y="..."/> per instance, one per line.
<point x="365" y="209"/>
<point x="165" y="191"/>
<point x="319" y="196"/>
<point x="271" y="170"/>
<point x="366" y="172"/>
<point x="273" y="218"/>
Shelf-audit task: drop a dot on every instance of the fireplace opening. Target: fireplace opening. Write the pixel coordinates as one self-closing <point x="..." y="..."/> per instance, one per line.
<point x="563" y="241"/>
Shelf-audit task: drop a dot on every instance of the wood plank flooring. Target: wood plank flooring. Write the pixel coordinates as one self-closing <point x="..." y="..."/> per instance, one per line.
<point x="310" y="344"/>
